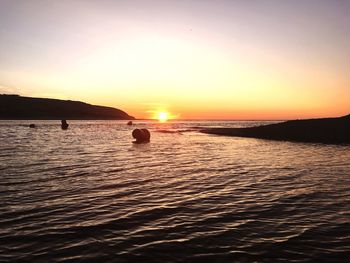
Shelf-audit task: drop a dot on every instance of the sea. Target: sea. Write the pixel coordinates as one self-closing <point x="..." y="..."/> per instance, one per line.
<point x="88" y="194"/>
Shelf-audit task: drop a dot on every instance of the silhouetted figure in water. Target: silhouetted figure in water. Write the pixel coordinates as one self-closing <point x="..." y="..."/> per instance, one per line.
<point x="32" y="125"/>
<point x="129" y="123"/>
<point x="141" y="135"/>
<point x="64" y="125"/>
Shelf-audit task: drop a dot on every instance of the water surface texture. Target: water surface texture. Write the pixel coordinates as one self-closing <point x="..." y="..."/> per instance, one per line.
<point x="89" y="194"/>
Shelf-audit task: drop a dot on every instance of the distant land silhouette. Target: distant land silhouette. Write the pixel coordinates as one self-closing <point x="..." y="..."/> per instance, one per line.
<point x="327" y="130"/>
<point x="28" y="108"/>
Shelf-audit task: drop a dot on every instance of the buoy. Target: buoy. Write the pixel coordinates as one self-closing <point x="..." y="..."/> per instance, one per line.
<point x="146" y="135"/>
<point x="31" y="125"/>
<point x="141" y="135"/>
<point x="138" y="135"/>
<point x="64" y="125"/>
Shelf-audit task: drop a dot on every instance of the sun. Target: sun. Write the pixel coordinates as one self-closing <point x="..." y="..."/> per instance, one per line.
<point x="162" y="116"/>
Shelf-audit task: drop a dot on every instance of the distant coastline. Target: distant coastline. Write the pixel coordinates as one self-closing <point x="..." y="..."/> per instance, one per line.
<point x="327" y="130"/>
<point x="15" y="107"/>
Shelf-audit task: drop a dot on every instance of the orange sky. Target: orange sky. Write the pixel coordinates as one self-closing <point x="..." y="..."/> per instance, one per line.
<point x="193" y="59"/>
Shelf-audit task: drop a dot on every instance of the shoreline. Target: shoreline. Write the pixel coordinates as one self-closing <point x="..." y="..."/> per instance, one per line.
<point x="326" y="130"/>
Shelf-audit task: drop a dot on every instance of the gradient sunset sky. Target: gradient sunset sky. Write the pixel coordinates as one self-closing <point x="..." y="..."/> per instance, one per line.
<point x="197" y="59"/>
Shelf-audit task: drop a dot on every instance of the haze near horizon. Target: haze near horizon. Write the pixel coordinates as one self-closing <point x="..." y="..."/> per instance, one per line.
<point x="191" y="59"/>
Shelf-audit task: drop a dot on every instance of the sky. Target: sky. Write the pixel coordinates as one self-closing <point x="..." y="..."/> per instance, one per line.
<point x="196" y="59"/>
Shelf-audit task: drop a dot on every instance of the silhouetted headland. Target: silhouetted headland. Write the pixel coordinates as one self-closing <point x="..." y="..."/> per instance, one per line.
<point x="26" y="108"/>
<point x="327" y="130"/>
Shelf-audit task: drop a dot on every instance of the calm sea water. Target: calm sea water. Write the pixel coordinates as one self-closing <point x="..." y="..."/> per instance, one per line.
<point x="88" y="194"/>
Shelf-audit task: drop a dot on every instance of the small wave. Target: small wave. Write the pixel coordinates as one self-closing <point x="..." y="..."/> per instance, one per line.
<point x="178" y="131"/>
<point x="167" y="131"/>
<point x="91" y="195"/>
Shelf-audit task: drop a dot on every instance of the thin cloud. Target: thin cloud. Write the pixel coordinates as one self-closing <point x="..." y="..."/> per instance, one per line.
<point x="8" y="90"/>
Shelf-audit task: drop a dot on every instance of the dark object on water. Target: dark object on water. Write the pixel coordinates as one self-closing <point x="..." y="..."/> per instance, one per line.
<point x="32" y="125"/>
<point x="328" y="130"/>
<point x="138" y="135"/>
<point x="147" y="135"/>
<point x="129" y="123"/>
<point x="64" y="125"/>
<point x="141" y="135"/>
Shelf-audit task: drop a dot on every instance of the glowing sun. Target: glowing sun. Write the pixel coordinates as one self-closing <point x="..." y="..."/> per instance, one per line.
<point x="162" y="116"/>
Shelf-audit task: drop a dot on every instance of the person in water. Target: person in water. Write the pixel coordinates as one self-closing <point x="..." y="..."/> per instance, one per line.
<point x="64" y="125"/>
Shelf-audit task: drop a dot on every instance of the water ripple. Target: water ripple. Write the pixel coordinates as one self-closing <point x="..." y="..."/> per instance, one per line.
<point x="88" y="194"/>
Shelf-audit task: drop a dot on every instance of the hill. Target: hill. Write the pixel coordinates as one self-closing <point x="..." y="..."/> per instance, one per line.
<point x="327" y="130"/>
<point x="18" y="107"/>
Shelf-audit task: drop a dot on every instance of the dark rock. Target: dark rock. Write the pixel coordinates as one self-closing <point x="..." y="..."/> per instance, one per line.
<point x="328" y="130"/>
